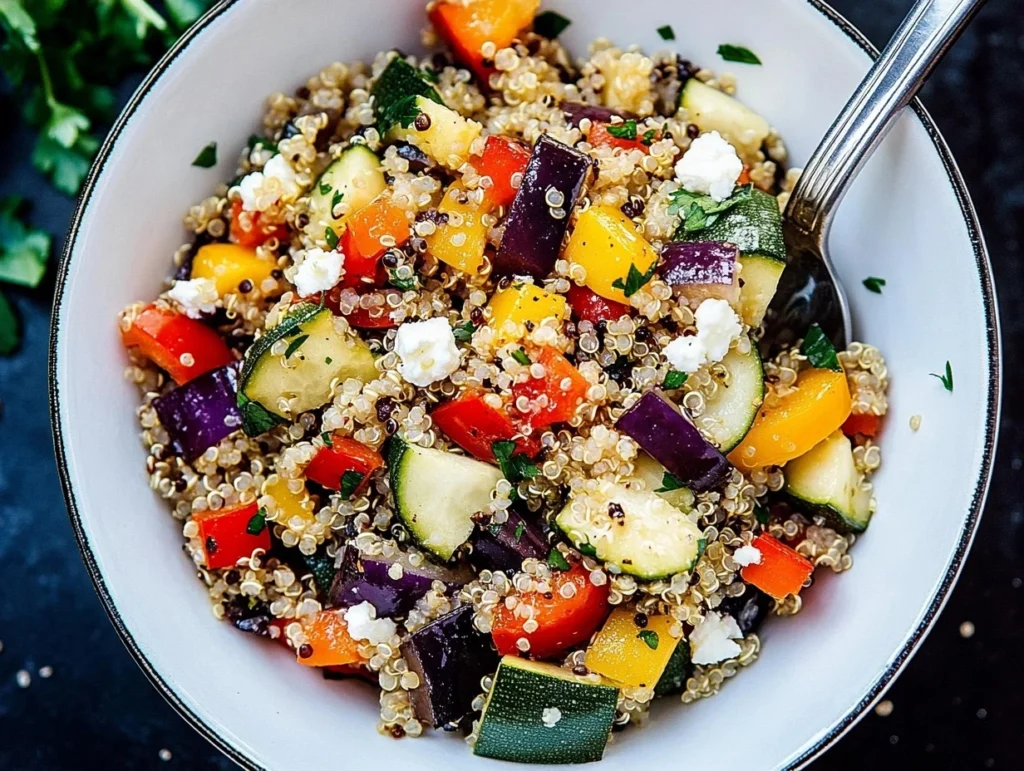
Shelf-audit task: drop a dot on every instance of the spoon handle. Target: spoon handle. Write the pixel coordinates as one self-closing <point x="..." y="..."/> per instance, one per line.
<point x="924" y="37"/>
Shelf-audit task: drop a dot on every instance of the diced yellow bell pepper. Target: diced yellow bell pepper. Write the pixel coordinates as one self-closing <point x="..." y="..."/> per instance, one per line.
<point x="629" y="654"/>
<point x="290" y="504"/>
<point x="229" y="265"/>
<point x="461" y="241"/>
<point x="606" y="243"/>
<point x="801" y="419"/>
<point x="521" y="304"/>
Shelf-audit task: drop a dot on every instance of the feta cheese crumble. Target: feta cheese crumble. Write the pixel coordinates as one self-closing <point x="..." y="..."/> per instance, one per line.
<point x="717" y="327"/>
<point x="550" y="716"/>
<point x="319" y="271"/>
<point x="276" y="182"/>
<point x="686" y="354"/>
<point x="427" y="350"/>
<point x="711" y="166"/>
<point x="363" y="624"/>
<point x="196" y="297"/>
<point x="713" y="640"/>
<point x="747" y="555"/>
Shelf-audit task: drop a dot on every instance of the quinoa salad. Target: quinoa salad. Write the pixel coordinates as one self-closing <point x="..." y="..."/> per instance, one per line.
<point x="457" y="386"/>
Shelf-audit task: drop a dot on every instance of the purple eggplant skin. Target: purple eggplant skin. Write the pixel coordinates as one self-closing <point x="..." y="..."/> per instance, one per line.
<point x="672" y="440"/>
<point x="577" y="111"/>
<point x="702" y="269"/>
<point x="367" y="579"/>
<point x="504" y="547"/>
<point x="534" y="229"/>
<point x="450" y="657"/>
<point x="200" y="413"/>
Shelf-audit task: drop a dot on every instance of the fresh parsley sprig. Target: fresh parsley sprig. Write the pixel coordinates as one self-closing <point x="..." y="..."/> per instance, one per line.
<point x="947" y="378"/>
<point x="819" y="350"/>
<point x="702" y="211"/>
<point x="635" y="280"/>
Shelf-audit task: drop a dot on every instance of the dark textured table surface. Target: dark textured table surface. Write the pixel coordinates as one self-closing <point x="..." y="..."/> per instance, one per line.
<point x="957" y="705"/>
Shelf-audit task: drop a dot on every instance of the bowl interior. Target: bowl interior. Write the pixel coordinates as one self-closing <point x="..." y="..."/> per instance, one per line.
<point x="904" y="222"/>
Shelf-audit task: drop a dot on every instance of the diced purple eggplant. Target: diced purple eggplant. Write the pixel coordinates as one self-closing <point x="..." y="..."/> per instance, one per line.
<point x="200" y="413"/>
<point x="504" y="547"/>
<point x="749" y="609"/>
<point x="252" y="618"/>
<point x="369" y="579"/>
<point x="700" y="270"/>
<point x="672" y="440"/>
<point x="450" y="657"/>
<point x="418" y="160"/>
<point x="577" y="111"/>
<point x="539" y="215"/>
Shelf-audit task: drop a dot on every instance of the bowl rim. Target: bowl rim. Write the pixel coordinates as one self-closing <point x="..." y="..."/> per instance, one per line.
<point x="881" y="683"/>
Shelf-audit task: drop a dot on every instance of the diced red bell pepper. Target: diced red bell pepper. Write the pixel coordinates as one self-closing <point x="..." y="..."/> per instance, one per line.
<point x="255" y="234"/>
<point x="467" y="26"/>
<point x="502" y="157"/>
<point x="781" y="571"/>
<point x="475" y="426"/>
<point x="562" y="621"/>
<point x="181" y="346"/>
<point x="865" y="425"/>
<point x="588" y="305"/>
<point x="744" y="178"/>
<point x="599" y="136"/>
<point x="554" y="397"/>
<point x="228" y="535"/>
<point x="361" y="318"/>
<point x="344" y="454"/>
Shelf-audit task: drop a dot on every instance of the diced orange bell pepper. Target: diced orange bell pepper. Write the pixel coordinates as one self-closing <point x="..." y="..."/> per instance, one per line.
<point x="554" y="397"/>
<point x="630" y="654"/>
<point x="800" y="420"/>
<point x="502" y="158"/>
<point x="228" y="535"/>
<point x="744" y="178"/>
<point x="865" y="425"/>
<point x="343" y="455"/>
<point x="371" y="231"/>
<point x="181" y="346"/>
<point x="562" y="622"/>
<point x="599" y="136"/>
<point x="467" y="26"/>
<point x="781" y="571"/>
<point x="607" y="243"/>
<point x="330" y="644"/>
<point x="587" y="305"/>
<point x="475" y="426"/>
<point x="229" y="265"/>
<point x="247" y="230"/>
<point x="519" y="308"/>
<point x="364" y="318"/>
<point x="461" y="241"/>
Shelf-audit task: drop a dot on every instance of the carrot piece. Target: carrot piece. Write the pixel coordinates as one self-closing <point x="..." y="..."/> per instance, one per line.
<point x="344" y="455"/>
<point x="332" y="646"/>
<point x="563" y="389"/>
<point x="181" y="346"/>
<point x="228" y="535"/>
<point x="781" y="571"/>
<point x="562" y="621"/>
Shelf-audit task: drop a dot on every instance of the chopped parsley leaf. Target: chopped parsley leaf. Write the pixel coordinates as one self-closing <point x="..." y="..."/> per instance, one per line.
<point x="674" y="379"/>
<point x="463" y="333"/>
<point x="207" y="157"/>
<point x="326" y="436"/>
<point x="350" y="480"/>
<point x="338" y="195"/>
<point x="947" y="379"/>
<point x="739" y="54"/>
<point x="550" y="24"/>
<point x="520" y="529"/>
<point x="670" y="482"/>
<point x="405" y="284"/>
<point x="520" y="355"/>
<point x="667" y="33"/>
<point x="874" y="284"/>
<point x="635" y="280"/>
<point x="258" y="523"/>
<point x="325" y="189"/>
<point x="294" y="345"/>
<point x="626" y="130"/>
<point x="650" y="638"/>
<point x="515" y="466"/>
<point x="587" y="550"/>
<point x="557" y="560"/>
<point x="819" y="350"/>
<point x="761" y="514"/>
<point x="702" y="211"/>
<point x="649" y="136"/>
<point x="331" y="237"/>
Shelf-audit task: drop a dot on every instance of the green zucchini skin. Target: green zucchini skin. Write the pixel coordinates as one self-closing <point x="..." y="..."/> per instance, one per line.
<point x="677" y="671"/>
<point x="825" y="483"/>
<point x="512" y="726"/>
<point x="754" y="225"/>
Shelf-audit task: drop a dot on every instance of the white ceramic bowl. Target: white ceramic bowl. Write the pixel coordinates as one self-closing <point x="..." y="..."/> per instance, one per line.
<point x="908" y="220"/>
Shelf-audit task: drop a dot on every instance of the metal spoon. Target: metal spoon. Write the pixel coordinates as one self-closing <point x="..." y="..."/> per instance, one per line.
<point x="809" y="290"/>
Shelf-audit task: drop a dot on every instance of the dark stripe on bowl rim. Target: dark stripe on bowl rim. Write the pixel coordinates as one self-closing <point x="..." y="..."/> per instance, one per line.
<point x="881" y="683"/>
